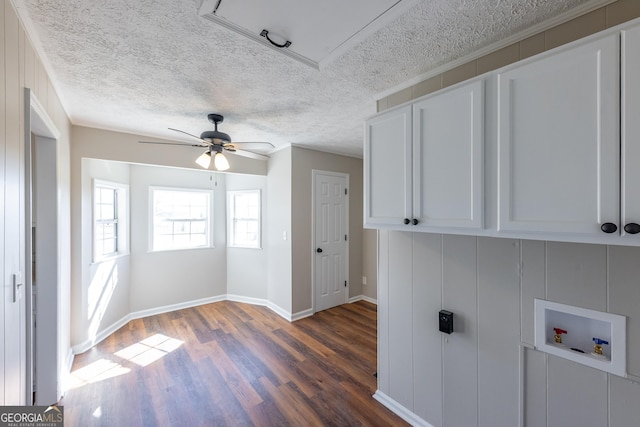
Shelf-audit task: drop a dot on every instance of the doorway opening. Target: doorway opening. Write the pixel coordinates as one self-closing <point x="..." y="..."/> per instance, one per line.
<point x="42" y="254"/>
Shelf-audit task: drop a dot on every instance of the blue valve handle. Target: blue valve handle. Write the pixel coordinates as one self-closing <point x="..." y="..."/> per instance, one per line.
<point x="599" y="341"/>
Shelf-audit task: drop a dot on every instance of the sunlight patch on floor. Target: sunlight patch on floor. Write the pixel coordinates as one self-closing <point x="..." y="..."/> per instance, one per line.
<point x="149" y="350"/>
<point x="142" y="353"/>
<point x="97" y="371"/>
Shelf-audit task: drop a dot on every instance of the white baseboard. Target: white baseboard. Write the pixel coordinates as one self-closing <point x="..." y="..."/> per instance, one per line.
<point x="248" y="300"/>
<point x="271" y="306"/>
<point x="101" y="335"/>
<point x="279" y="311"/>
<point x="68" y="363"/>
<point x="104" y="333"/>
<point x="363" y="298"/>
<point x="174" y="307"/>
<point x="400" y="410"/>
<point x="69" y="360"/>
<point x="302" y="314"/>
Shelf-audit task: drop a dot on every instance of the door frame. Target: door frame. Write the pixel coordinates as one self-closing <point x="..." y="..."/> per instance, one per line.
<point x="314" y="285"/>
<point x="38" y="123"/>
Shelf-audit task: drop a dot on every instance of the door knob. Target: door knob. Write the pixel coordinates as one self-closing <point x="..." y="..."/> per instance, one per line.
<point x="319" y="250"/>
<point x="632" y="228"/>
<point x="609" y="227"/>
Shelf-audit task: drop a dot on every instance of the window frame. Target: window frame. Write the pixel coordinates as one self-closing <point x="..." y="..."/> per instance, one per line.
<point x="231" y="219"/>
<point x="121" y="220"/>
<point x="209" y="220"/>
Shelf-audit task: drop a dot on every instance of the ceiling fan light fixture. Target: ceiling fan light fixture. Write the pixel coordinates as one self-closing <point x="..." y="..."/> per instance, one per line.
<point x="220" y="162"/>
<point x="204" y="160"/>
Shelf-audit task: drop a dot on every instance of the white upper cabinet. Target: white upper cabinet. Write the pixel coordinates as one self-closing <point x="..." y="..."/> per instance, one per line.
<point x="558" y="141"/>
<point x="424" y="164"/>
<point x="630" y="156"/>
<point x="387" y="169"/>
<point x="547" y="148"/>
<point x="448" y="162"/>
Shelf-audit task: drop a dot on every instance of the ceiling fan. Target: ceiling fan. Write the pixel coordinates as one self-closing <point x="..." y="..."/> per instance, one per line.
<point x="215" y="142"/>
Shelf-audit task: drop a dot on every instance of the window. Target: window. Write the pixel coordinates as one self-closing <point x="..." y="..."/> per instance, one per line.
<point x="109" y="219"/>
<point x="243" y="218"/>
<point x="181" y="218"/>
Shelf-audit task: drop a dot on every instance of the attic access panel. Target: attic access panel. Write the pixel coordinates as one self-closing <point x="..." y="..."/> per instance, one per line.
<point x="319" y="31"/>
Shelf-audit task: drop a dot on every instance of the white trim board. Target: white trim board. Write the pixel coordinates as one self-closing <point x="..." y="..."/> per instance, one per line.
<point x="87" y="344"/>
<point x="363" y="298"/>
<point x="400" y="410"/>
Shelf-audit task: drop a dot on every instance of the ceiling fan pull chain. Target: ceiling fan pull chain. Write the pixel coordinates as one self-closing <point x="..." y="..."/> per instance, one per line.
<point x="265" y="34"/>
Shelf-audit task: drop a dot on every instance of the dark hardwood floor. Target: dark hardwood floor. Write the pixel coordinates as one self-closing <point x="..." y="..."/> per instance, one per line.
<point x="232" y="364"/>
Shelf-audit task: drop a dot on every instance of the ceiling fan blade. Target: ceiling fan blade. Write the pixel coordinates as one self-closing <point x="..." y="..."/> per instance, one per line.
<point x="184" y="144"/>
<point x="193" y="136"/>
<point x="249" y="154"/>
<point x="256" y="144"/>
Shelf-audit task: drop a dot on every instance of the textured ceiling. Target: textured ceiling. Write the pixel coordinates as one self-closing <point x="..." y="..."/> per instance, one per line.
<point x="142" y="66"/>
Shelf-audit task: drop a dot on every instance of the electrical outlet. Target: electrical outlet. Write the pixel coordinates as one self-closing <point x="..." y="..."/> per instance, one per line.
<point x="364" y="280"/>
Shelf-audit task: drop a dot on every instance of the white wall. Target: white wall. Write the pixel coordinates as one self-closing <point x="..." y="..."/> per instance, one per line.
<point x="150" y="281"/>
<point x="479" y="375"/>
<point x="278" y="234"/>
<point x="247" y="268"/>
<point x="124" y="147"/>
<point x="167" y="278"/>
<point x="175" y="277"/>
<point x="370" y="264"/>
<point x="101" y="297"/>
<point x="108" y="293"/>
<point x="303" y="161"/>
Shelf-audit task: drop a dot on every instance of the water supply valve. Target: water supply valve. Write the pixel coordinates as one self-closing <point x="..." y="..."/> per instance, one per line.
<point x="597" y="348"/>
<point x="558" y="336"/>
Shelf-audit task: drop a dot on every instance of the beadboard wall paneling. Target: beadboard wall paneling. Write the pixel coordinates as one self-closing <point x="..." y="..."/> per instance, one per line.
<point x="486" y="373"/>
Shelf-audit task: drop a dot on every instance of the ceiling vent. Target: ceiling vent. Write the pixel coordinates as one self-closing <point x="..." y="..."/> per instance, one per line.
<point x="314" y="33"/>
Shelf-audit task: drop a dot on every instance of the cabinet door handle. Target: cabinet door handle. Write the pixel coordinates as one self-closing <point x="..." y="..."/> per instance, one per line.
<point x="319" y="250"/>
<point x="415" y="221"/>
<point x="609" y="227"/>
<point x="407" y="221"/>
<point x="632" y="228"/>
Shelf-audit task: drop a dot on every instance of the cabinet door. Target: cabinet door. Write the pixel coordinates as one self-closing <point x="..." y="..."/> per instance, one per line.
<point x="387" y="168"/>
<point x="448" y="158"/>
<point x="558" y="141"/>
<point x="630" y="191"/>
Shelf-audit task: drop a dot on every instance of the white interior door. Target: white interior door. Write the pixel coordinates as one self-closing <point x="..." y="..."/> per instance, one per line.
<point x="331" y="241"/>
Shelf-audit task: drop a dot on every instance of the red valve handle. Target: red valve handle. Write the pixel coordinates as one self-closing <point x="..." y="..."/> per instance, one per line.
<point x="559" y="331"/>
